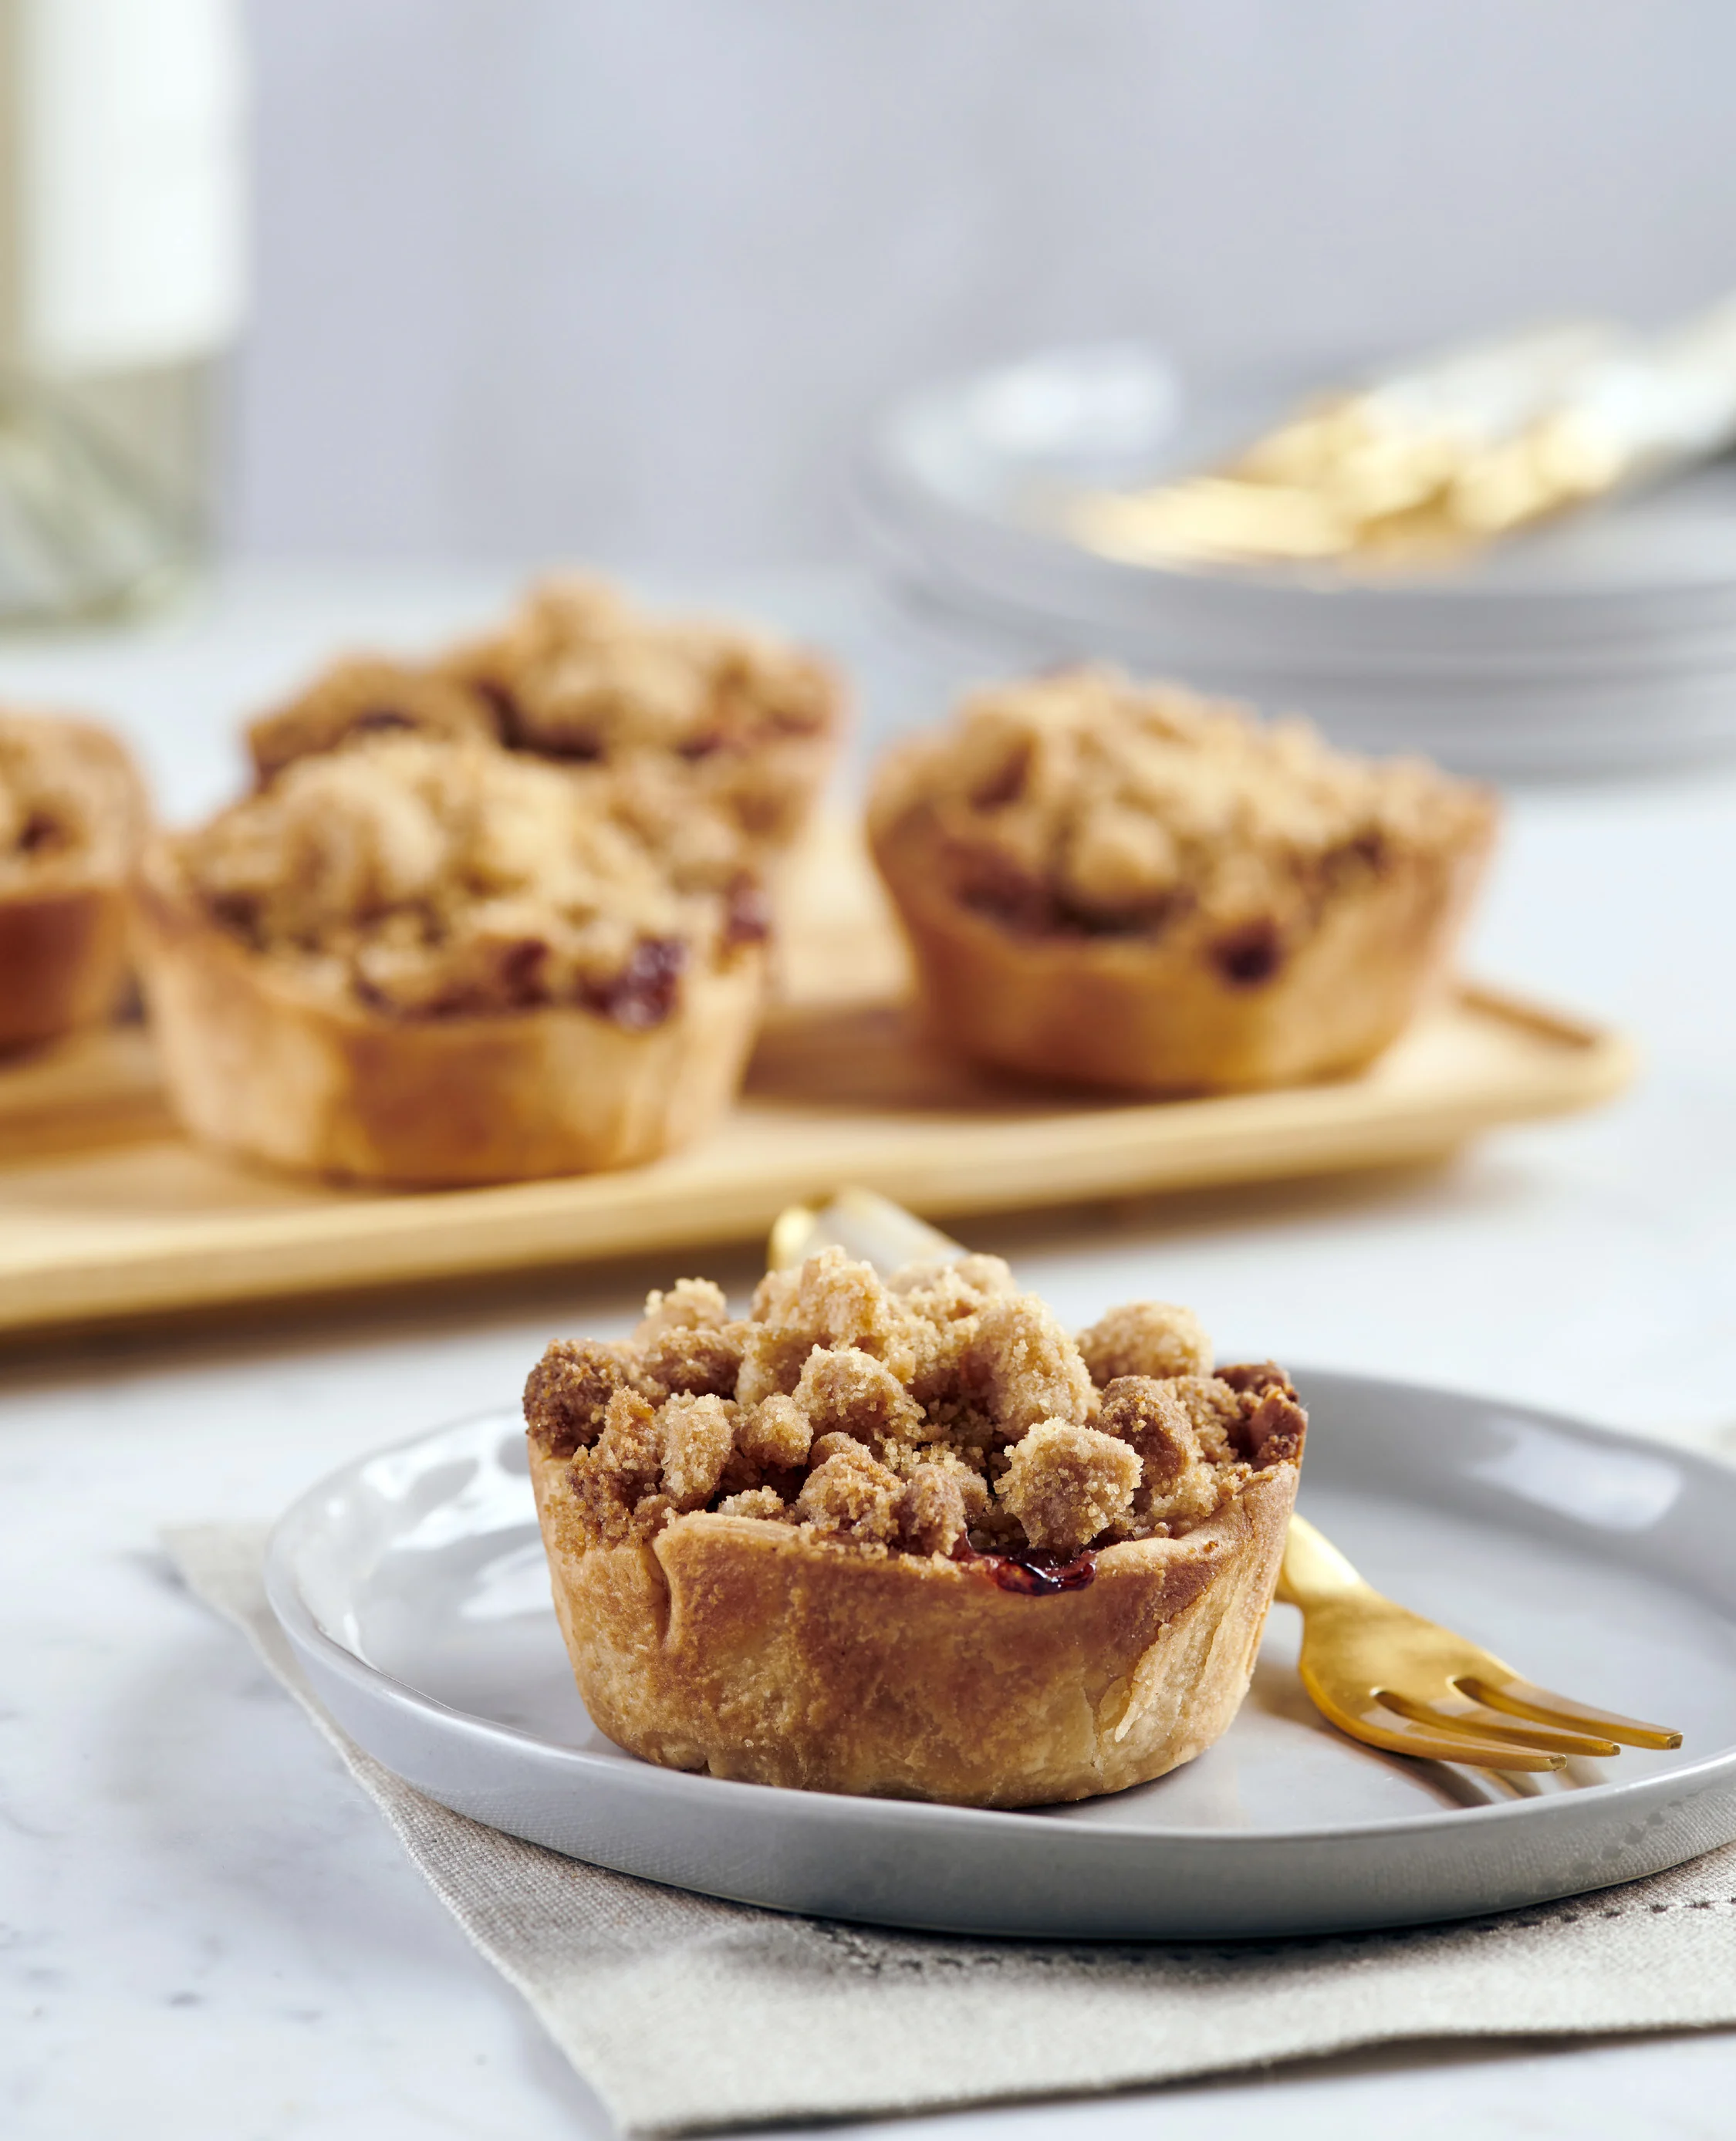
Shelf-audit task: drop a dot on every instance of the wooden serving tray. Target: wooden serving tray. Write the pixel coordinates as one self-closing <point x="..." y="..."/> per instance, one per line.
<point x="107" y="1213"/>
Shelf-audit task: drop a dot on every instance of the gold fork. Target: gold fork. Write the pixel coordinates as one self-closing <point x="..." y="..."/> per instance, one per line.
<point x="1386" y="1675"/>
<point x="1381" y="1673"/>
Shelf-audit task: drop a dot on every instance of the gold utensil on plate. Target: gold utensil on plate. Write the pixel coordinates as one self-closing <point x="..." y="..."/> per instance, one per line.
<point x="1378" y="1672"/>
<point x="1387" y="1676"/>
<point x="1448" y="450"/>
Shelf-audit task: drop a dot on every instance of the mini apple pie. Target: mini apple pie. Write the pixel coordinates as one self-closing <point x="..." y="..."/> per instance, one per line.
<point x="420" y="960"/>
<point x="909" y="1537"/>
<point x="578" y="674"/>
<point x="1129" y="886"/>
<point x="72" y="813"/>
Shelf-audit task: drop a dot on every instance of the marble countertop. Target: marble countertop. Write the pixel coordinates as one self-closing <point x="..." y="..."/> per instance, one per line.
<point x="205" y="1931"/>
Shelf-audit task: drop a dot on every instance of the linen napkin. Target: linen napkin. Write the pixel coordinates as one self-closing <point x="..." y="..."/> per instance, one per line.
<point x="784" y="2018"/>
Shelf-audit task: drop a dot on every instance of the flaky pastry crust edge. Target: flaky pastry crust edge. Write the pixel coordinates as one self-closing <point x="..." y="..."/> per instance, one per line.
<point x="1139" y="1014"/>
<point x="760" y="1651"/>
<point x="257" y="1065"/>
<point x="63" y="943"/>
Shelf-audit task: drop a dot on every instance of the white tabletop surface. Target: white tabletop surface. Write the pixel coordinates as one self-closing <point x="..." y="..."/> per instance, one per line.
<point x="207" y="1933"/>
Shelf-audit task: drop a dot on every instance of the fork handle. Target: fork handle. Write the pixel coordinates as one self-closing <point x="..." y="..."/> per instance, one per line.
<point x="862" y="1223"/>
<point x="1313" y="1568"/>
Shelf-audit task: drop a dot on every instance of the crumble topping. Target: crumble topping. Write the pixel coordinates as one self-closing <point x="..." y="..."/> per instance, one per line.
<point x="579" y="672"/>
<point x="364" y="695"/>
<point x="70" y="804"/>
<point x="1087" y="805"/>
<point x="1065" y="1483"/>
<point x="942" y="1411"/>
<point x="428" y="878"/>
<point x="1147" y="1338"/>
<point x="580" y="675"/>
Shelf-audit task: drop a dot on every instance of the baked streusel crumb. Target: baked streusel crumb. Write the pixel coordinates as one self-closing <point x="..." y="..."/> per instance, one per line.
<point x="580" y="672"/>
<point x="363" y="695"/>
<point x="940" y="1412"/>
<point x="70" y="805"/>
<point x="580" y="675"/>
<point x="424" y="878"/>
<point x="1084" y="804"/>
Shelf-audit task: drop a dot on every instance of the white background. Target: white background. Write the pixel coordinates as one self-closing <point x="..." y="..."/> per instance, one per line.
<point x="626" y="276"/>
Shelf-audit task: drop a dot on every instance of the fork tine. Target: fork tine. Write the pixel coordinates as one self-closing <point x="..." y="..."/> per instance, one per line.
<point x="1523" y="1698"/>
<point x="1490" y="1724"/>
<point x="1433" y="1742"/>
<point x="1436" y="1743"/>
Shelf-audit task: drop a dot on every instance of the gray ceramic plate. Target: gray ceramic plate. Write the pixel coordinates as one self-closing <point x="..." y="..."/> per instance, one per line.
<point x="413" y="1587"/>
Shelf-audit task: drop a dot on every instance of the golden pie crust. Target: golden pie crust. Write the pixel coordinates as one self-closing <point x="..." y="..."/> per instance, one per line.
<point x="1151" y="1016"/>
<point x="259" y="1064"/>
<point x="761" y="1652"/>
<point x="63" y="937"/>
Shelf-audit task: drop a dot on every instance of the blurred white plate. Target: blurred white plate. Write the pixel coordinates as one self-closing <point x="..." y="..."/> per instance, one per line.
<point x="412" y="1585"/>
<point x="1607" y="639"/>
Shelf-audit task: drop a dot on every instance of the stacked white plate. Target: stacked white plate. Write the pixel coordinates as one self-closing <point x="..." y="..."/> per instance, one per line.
<point x="1605" y="641"/>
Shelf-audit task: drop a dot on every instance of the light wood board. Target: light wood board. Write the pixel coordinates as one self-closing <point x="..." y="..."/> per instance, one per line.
<point x="106" y="1213"/>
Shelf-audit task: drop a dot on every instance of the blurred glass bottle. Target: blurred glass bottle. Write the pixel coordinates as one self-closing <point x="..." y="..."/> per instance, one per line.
<point x="122" y="275"/>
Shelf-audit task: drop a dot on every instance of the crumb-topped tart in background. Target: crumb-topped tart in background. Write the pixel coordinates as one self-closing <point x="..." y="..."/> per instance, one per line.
<point x="909" y="1537"/>
<point x="72" y="814"/>
<point x="424" y="961"/>
<point x="579" y="675"/>
<point x="1129" y="885"/>
<point x="360" y="696"/>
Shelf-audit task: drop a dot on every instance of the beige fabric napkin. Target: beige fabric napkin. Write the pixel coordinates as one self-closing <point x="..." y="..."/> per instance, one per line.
<point x="686" y="2014"/>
